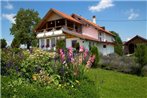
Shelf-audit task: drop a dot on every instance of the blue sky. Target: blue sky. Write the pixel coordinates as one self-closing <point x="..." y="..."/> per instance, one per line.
<point x="128" y="18"/>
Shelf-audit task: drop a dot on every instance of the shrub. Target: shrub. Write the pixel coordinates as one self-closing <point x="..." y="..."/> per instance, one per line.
<point x="20" y="88"/>
<point x="77" y="46"/>
<point x="94" y="51"/>
<point x="60" y="44"/>
<point x="11" y="61"/>
<point x="118" y="48"/>
<point x="144" y="71"/>
<point x="120" y="63"/>
<point x="141" y="54"/>
<point x="35" y="62"/>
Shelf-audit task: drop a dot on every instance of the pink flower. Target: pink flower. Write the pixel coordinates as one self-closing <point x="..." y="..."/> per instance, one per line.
<point x="72" y="60"/>
<point x="62" y="55"/>
<point x="70" y="52"/>
<point x="92" y="58"/>
<point x="85" y="53"/>
<point x="90" y="61"/>
<point x="81" y="49"/>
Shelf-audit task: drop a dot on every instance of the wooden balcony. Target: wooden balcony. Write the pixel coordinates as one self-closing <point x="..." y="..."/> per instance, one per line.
<point x="58" y="24"/>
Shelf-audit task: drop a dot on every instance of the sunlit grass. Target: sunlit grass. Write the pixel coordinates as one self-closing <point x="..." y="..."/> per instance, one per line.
<point x="118" y="85"/>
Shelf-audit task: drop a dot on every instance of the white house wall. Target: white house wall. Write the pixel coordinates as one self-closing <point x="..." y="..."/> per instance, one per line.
<point x="108" y="38"/>
<point x="86" y="45"/>
<point x="80" y="41"/>
<point x="105" y="51"/>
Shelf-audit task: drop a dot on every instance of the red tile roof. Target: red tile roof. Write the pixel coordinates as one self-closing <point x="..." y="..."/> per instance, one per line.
<point x="84" y="36"/>
<point x="65" y="16"/>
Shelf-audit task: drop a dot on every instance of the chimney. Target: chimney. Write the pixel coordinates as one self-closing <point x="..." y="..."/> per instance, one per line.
<point x="94" y="19"/>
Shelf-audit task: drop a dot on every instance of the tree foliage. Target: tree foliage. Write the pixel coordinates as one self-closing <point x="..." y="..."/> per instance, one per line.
<point x="141" y="54"/>
<point x="25" y="22"/>
<point x="118" y="48"/>
<point x="15" y="43"/>
<point x="3" y="43"/>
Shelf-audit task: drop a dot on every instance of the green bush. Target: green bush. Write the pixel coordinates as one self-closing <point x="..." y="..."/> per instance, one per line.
<point x="11" y="61"/>
<point x="77" y="46"/>
<point x="20" y="88"/>
<point x="94" y="51"/>
<point x="35" y="62"/>
<point x="141" y="54"/>
<point x="144" y="71"/>
<point x="118" y="48"/>
<point x="60" y="44"/>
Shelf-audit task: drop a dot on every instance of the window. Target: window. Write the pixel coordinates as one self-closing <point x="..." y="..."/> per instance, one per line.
<point x="100" y="39"/>
<point x="53" y="42"/>
<point x="104" y="46"/>
<point x="74" y="43"/>
<point x="42" y="43"/>
<point x="47" y="43"/>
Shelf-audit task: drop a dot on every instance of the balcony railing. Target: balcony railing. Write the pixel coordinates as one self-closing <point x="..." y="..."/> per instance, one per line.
<point x="58" y="28"/>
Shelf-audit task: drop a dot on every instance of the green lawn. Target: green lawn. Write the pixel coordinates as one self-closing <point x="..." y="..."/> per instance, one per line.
<point x="118" y="85"/>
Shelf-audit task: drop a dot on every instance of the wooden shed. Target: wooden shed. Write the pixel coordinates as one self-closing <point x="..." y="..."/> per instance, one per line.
<point x="129" y="46"/>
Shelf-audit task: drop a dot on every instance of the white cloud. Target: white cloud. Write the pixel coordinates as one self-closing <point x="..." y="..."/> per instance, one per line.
<point x="132" y="14"/>
<point x="103" y="4"/>
<point x="9" y="17"/>
<point x="9" y="6"/>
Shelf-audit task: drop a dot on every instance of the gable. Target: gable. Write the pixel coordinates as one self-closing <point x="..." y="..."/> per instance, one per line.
<point x="137" y="39"/>
<point x="53" y="16"/>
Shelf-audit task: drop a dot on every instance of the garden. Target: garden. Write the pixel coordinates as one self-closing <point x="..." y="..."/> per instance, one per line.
<point x="68" y="73"/>
<point x="37" y="69"/>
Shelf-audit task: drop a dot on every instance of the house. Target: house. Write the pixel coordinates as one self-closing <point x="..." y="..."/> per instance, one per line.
<point x="129" y="46"/>
<point x="73" y="28"/>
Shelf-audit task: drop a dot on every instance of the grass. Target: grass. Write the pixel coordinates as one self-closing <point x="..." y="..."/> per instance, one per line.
<point x="118" y="85"/>
<point x="102" y="84"/>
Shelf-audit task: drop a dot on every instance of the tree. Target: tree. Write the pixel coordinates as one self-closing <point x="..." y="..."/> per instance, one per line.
<point x="15" y="43"/>
<point x="118" y="48"/>
<point x="25" y="21"/>
<point x="3" y="43"/>
<point x="141" y="54"/>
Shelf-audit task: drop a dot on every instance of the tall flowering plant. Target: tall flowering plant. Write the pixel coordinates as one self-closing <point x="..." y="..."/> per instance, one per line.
<point x="85" y="54"/>
<point x="70" y="54"/>
<point x="90" y="61"/>
<point x="62" y="55"/>
<point x="81" y="49"/>
<point x="72" y="65"/>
